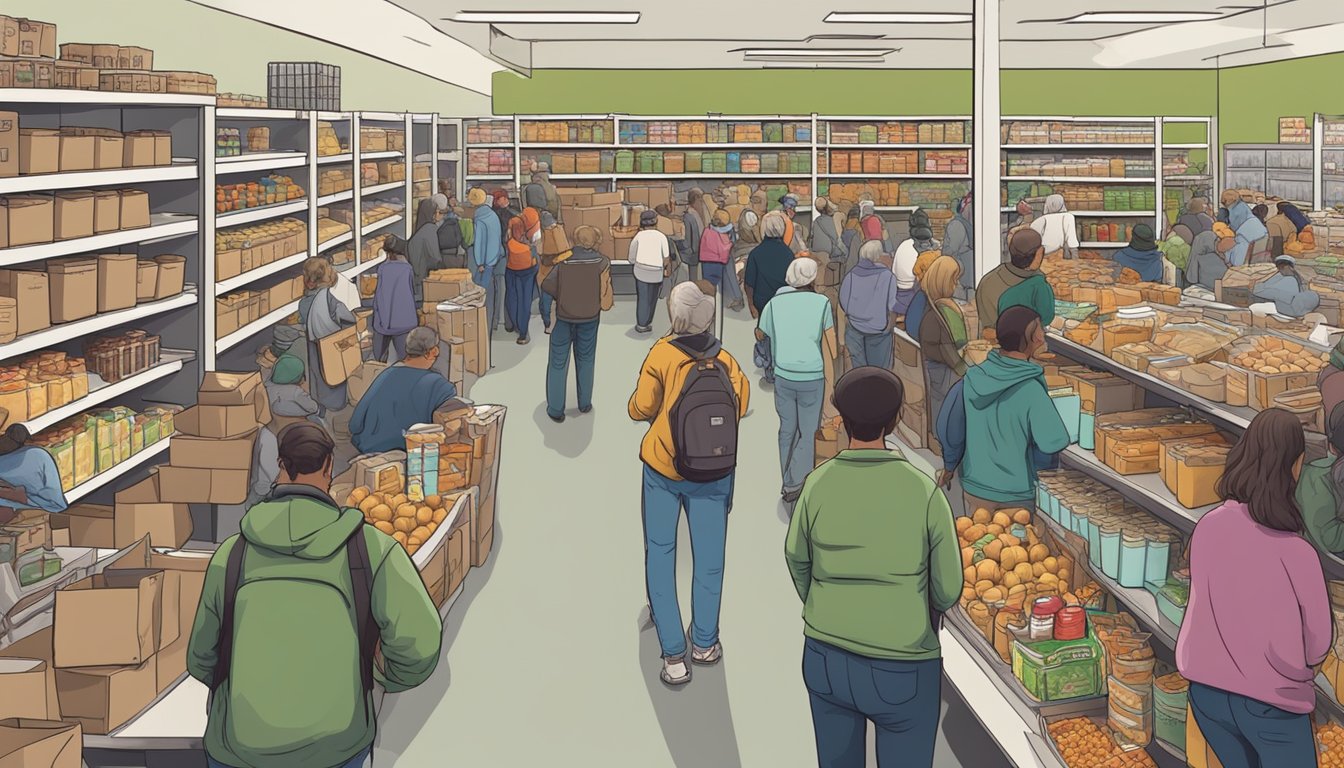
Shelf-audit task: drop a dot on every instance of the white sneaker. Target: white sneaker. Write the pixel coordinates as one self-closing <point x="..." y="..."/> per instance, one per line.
<point x="707" y="656"/>
<point x="675" y="672"/>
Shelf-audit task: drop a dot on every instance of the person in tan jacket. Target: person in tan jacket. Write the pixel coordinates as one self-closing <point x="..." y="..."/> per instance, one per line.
<point x="580" y="283"/>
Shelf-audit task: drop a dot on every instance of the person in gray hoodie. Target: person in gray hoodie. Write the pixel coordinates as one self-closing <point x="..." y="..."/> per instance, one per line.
<point x="959" y="243"/>
<point x="868" y="296"/>
<point x="541" y="193"/>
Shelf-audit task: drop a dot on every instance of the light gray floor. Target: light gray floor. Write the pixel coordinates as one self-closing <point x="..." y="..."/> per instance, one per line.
<point x="545" y="661"/>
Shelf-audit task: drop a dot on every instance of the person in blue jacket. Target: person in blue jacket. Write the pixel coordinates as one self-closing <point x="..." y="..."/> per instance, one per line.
<point x="402" y="396"/>
<point x="1142" y="255"/>
<point x="486" y="251"/>
<point x="998" y="424"/>
<point x="29" y="478"/>
<point x="1287" y="290"/>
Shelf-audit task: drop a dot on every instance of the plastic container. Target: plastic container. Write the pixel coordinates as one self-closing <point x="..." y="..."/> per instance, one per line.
<point x="1087" y="424"/>
<point x="1169" y="725"/>
<point x="1065" y="515"/>
<point x="1133" y="559"/>
<point x="1110" y="551"/>
<point x="1133" y="673"/>
<point x="1129" y="726"/>
<point x="1135" y="698"/>
<point x="1171" y="602"/>
<point x="1157" y="560"/>
<point x="1071" y="623"/>
<point x="1041" y="625"/>
<point x="1043" y="500"/>
<point x="1093" y="544"/>
<point x="1081" y="519"/>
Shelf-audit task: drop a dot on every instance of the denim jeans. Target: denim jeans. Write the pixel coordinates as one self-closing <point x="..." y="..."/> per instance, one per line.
<point x="869" y="349"/>
<point x="486" y="281"/>
<point x="582" y="337"/>
<point x="724" y="279"/>
<point x="519" y="285"/>
<point x="706" y="506"/>
<point x="1246" y="733"/>
<point x="646" y="301"/>
<point x="544" y="303"/>
<point x="901" y="698"/>
<point x="499" y="311"/>
<point x="397" y="343"/>
<point x="798" y="404"/>
<point x="362" y="760"/>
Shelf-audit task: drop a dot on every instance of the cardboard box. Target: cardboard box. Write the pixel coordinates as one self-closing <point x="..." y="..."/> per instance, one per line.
<point x="137" y="150"/>
<point x="28" y="689"/>
<point x="217" y="421"/>
<point x="600" y="217"/>
<point x="171" y="662"/>
<point x="132" y="81"/>
<point x="37" y="39"/>
<point x="39" y="150"/>
<point x="228" y="264"/>
<point x="74" y="75"/>
<point x="360" y="381"/>
<point x="447" y="284"/>
<point x="91" y="525"/>
<point x="103" y="699"/>
<point x="188" y="567"/>
<point x="434" y="574"/>
<point x="45" y="743"/>
<point x="142" y="514"/>
<point x="31" y="529"/>
<point x="76" y="152"/>
<point x="106" y="211"/>
<point x="192" y="485"/>
<point x="74" y="288"/>
<point x="32" y="294"/>
<point x="172" y="275"/>
<point x="134" y="209"/>
<point x="110" y="618"/>
<point x="9" y="36"/>
<point x="212" y="453"/>
<point x="649" y="195"/>
<point x="108" y="145"/>
<point x="9" y="144"/>
<point x="224" y="388"/>
<point x="116" y="281"/>
<point x="134" y="57"/>
<point x="459" y="560"/>
<point x="27" y="73"/>
<point x="99" y="55"/>
<point x="72" y="214"/>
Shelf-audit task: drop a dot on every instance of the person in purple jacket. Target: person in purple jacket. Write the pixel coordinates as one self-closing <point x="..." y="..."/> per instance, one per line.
<point x="1258" y="621"/>
<point x="394" y="307"/>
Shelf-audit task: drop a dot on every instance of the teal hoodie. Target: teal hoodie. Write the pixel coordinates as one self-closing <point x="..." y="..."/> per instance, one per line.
<point x="294" y="692"/>
<point x="1008" y="411"/>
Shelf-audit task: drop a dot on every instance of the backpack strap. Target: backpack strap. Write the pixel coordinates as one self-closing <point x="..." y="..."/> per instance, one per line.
<point x="232" y="573"/>
<point x="361" y="577"/>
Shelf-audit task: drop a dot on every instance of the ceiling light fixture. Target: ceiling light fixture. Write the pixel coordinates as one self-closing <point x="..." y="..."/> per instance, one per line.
<point x="817" y="59"/>
<point x="546" y="17"/>
<point x="890" y="17"/>
<point x="1141" y="17"/>
<point x="849" y="53"/>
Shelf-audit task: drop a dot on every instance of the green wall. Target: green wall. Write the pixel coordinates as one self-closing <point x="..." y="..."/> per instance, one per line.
<point x="1253" y="98"/>
<point x="187" y="36"/>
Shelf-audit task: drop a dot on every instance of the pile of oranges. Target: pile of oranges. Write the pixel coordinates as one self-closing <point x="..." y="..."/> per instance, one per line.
<point x="1085" y="744"/>
<point x="410" y="523"/>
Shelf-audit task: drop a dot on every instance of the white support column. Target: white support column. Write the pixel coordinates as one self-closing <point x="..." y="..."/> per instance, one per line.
<point x="1159" y="204"/>
<point x="985" y="145"/>
<point x="311" y="173"/>
<point x="205" y="291"/>
<point x="1317" y="162"/>
<point x="357" y="204"/>
<point x="408" y="162"/>
<point x="434" y="156"/>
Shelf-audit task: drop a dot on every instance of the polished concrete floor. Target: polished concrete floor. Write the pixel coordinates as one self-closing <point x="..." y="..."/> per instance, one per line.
<point x="546" y="659"/>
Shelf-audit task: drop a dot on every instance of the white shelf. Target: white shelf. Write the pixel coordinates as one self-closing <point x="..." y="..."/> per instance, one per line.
<point x="1148" y="491"/>
<point x="253" y="275"/>
<point x="494" y="145"/>
<point x="161" y="227"/>
<point x="1070" y="147"/>
<point x="908" y="176"/>
<point x="109" y="98"/>
<point x="987" y="696"/>
<point x="260" y="213"/>
<point x="388" y="187"/>
<point x="340" y="239"/>
<point x="336" y="197"/>
<point x="694" y="176"/>
<point x="380" y="155"/>
<point x="46" y="182"/>
<point x="334" y="117"/>
<point x="258" y="113"/>
<point x="256" y="162"/>
<point x="450" y="157"/>
<point x="1202" y="179"/>
<point x="364" y="266"/>
<point x="57" y="334"/>
<point x="344" y="157"/>
<point x="383" y="117"/>
<point x="897" y="208"/>
<point x="255" y="327"/>
<point x="101" y="479"/>
<point x="852" y="147"/>
<point x="720" y="147"/>
<point x="1110" y="214"/>
<point x="379" y="224"/>
<point x="170" y="362"/>
<point x="568" y="145"/>
<point x="1098" y="244"/>
<point x="502" y="177"/>
<point x="1084" y="179"/>
<point x="1184" y="146"/>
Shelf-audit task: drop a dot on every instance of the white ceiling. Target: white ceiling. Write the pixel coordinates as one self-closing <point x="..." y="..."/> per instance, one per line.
<point x="690" y="34"/>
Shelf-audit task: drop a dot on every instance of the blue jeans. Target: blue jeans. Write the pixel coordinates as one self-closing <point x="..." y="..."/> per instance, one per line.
<point x="724" y="279"/>
<point x="706" y="506"/>
<point x="582" y="337"/>
<point x="869" y="349"/>
<point x="544" y="301"/>
<point x="646" y="301"/>
<point x="485" y="280"/>
<point x="362" y="760"/>
<point x="498" y="311"/>
<point x="901" y="698"/>
<point x="519" y="285"/>
<point x="798" y="404"/>
<point x="1246" y="733"/>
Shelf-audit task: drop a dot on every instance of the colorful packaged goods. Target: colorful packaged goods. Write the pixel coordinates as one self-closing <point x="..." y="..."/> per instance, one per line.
<point x="271" y="190"/>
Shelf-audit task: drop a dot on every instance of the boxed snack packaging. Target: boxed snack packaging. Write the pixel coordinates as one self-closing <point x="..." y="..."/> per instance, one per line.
<point x="32" y="295"/>
<point x="114" y="617"/>
<point x="73" y="214"/>
<point x="1130" y="443"/>
<point x="132" y="81"/>
<point x="74" y="289"/>
<point x="1191" y="468"/>
<point x="41" y="742"/>
<point x="1263" y="367"/>
<point x="39" y="150"/>
<point x="9" y="144"/>
<point x="142" y="514"/>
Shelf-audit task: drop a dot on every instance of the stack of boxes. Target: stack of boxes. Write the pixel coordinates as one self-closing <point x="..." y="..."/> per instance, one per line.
<point x="243" y="249"/>
<point x="328" y="143"/>
<point x="78" y="287"/>
<point x="333" y="180"/>
<point x="237" y="309"/>
<point x="210" y="460"/>
<point x="1294" y="130"/>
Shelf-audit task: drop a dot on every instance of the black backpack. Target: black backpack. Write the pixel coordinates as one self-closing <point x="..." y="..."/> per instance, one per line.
<point x="704" y="418"/>
<point x="450" y="237"/>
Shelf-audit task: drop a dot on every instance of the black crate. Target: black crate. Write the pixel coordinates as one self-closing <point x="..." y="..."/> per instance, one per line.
<point x="303" y="85"/>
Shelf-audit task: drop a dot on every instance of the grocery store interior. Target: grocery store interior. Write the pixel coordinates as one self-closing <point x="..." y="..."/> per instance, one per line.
<point x="1177" y="172"/>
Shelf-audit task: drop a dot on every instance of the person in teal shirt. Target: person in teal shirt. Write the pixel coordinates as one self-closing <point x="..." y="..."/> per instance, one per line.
<point x="1034" y="292"/>
<point x="800" y="325"/>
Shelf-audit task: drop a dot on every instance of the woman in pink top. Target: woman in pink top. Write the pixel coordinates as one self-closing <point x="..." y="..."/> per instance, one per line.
<point x="1258" y="621"/>
<point x="716" y="245"/>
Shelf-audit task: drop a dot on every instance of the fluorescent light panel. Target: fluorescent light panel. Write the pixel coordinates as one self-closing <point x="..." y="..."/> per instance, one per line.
<point x="1141" y="17"/>
<point x="887" y="17"/>
<point x="817" y="52"/>
<point x="547" y="17"/>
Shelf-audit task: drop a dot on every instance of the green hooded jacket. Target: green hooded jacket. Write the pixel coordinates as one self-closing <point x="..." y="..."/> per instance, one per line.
<point x="1008" y="412"/>
<point x="872" y="550"/>
<point x="1320" y="511"/>
<point x="294" y="694"/>
<point x="1035" y="294"/>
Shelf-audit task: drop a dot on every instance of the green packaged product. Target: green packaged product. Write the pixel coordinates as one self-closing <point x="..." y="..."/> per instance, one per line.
<point x="9" y="546"/>
<point x="625" y="161"/>
<point x="694" y="162"/>
<point x="1053" y="670"/>
<point x="106" y="444"/>
<point x="37" y="565"/>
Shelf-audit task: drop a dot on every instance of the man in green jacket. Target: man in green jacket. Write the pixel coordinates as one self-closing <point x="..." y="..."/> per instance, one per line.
<point x="1319" y="489"/>
<point x="1025" y="254"/>
<point x="293" y="691"/>
<point x="874" y="557"/>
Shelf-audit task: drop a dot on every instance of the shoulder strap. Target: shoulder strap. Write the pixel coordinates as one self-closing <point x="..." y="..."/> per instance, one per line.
<point x="361" y="577"/>
<point x="232" y="573"/>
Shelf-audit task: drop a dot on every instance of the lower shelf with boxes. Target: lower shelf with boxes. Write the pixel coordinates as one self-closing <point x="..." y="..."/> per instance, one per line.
<point x="244" y="249"/>
<point x="237" y="309"/>
<point x="70" y="215"/>
<point x="90" y="444"/>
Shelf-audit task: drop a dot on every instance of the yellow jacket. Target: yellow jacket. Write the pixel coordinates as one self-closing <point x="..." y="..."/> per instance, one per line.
<point x="660" y="382"/>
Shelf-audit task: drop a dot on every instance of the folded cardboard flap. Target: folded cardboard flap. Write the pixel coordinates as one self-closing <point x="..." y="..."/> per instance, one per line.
<point x="189" y="565"/>
<point x="224" y="388"/>
<point x="28" y="742"/>
<point x="212" y="452"/>
<point x="114" y="617"/>
<point x="91" y="525"/>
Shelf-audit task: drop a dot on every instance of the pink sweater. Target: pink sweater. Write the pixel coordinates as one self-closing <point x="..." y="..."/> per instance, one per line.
<point x="715" y="247"/>
<point x="1259" y="616"/>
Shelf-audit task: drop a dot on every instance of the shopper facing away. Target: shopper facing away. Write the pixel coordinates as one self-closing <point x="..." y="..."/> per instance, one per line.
<point x="1020" y="282"/>
<point x="394" y="302"/>
<point x="322" y="315"/>
<point x="998" y="424"/>
<point x="521" y="272"/>
<point x="1258" y="620"/>
<point x="692" y="393"/>
<point x="942" y="330"/>
<point x="581" y="287"/>
<point x="401" y="396"/>
<point x="288" y="652"/>
<point x="869" y="298"/>
<point x="873" y="554"/>
<point x="486" y="250"/>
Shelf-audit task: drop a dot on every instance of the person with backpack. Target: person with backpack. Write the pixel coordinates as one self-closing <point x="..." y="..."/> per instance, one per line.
<point x="799" y="325"/>
<point x="874" y="557"/>
<point x="451" y="237"/>
<point x="580" y="283"/>
<point x="692" y="393"/>
<point x="291" y="612"/>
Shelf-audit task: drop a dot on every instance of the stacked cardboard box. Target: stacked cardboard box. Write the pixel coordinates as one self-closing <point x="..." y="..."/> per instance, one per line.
<point x="1294" y="130"/>
<point x="490" y="161"/>
<point x="466" y="329"/>
<point x="210" y="461"/>
<point x="482" y="427"/>
<point x="70" y="214"/>
<point x="333" y="180"/>
<point x="72" y="289"/>
<point x="489" y="131"/>
<point x="237" y="309"/>
<point x="244" y="249"/>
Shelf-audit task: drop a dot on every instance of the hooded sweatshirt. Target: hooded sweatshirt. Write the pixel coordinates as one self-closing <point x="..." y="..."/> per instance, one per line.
<point x="488" y="245"/>
<point x="1147" y="263"/>
<point x="1316" y="497"/>
<point x="1034" y="293"/>
<point x="294" y="694"/>
<point x="868" y="297"/>
<point x="991" y="289"/>
<point x="1008" y="413"/>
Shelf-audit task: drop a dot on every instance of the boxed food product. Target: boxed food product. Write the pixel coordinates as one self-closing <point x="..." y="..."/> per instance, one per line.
<point x="30" y="529"/>
<point x="1306" y="404"/>
<point x="32" y="295"/>
<point x="1191" y="467"/>
<point x="9" y="144"/>
<point x="103" y="699"/>
<point x="1130" y="443"/>
<point x="189" y="82"/>
<point x="1051" y="670"/>
<point x="114" y="617"/>
<point x="74" y="289"/>
<point x="1206" y="380"/>
<point x="1262" y="367"/>
<point x="1142" y="355"/>
<point x="39" y="150"/>
<point x="98" y="55"/>
<point x="73" y="214"/>
<point x="134" y="208"/>
<point x="106" y="211"/>
<point x="74" y="75"/>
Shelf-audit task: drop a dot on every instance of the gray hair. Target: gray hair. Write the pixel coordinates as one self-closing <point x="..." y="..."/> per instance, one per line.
<point x="774" y="224"/>
<point x="802" y="273"/>
<point x="871" y="250"/>
<point x="420" y="341"/>
<point x="867" y="207"/>
<point x="440" y="201"/>
<point x="690" y="309"/>
<point x="1055" y="204"/>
